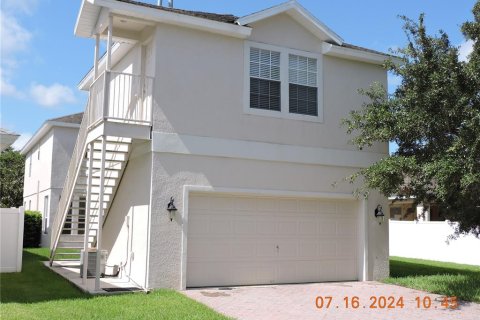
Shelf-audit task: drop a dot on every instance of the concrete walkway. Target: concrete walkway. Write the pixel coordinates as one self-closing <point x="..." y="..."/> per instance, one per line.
<point x="282" y="302"/>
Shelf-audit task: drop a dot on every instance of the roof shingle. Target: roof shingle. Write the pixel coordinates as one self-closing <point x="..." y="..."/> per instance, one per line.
<point x="71" y="118"/>
<point x="226" y="18"/>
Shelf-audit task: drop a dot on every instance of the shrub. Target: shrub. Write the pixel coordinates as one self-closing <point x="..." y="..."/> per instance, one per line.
<point x="32" y="229"/>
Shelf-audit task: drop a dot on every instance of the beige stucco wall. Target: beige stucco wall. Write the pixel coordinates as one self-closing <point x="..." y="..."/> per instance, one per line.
<point x="200" y="88"/>
<point x="126" y="227"/>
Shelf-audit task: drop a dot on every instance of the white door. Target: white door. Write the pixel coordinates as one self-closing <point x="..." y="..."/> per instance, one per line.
<point x="239" y="240"/>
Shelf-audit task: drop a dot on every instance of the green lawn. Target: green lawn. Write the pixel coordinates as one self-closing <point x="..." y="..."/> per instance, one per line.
<point x="450" y="279"/>
<point x="38" y="293"/>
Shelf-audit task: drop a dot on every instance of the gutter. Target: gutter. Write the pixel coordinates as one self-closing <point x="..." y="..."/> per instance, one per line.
<point x="329" y="49"/>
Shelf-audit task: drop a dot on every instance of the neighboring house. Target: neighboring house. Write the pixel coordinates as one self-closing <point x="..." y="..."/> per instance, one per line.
<point x="47" y="155"/>
<point x="405" y="210"/>
<point x="235" y="123"/>
<point x="7" y="138"/>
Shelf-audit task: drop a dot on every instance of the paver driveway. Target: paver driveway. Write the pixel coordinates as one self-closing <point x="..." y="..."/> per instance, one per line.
<point x="281" y="302"/>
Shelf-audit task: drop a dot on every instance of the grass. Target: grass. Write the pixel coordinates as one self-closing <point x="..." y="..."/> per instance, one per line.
<point x="450" y="279"/>
<point x="38" y="293"/>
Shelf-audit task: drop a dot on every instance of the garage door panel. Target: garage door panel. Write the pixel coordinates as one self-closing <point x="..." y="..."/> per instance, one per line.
<point x="327" y="207"/>
<point x="308" y="227"/>
<point x="243" y="226"/>
<point x="347" y="269"/>
<point x="345" y="248"/>
<point x="328" y="270"/>
<point x="265" y="227"/>
<point x="267" y="249"/>
<point x="308" y="248"/>
<point x="209" y="249"/>
<point x="287" y="205"/>
<point x="327" y="228"/>
<point x="346" y="228"/>
<point x="327" y="249"/>
<point x="221" y="224"/>
<point x="239" y="240"/>
<point x="287" y="226"/>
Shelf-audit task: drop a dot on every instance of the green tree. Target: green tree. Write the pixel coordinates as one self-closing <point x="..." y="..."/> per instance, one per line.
<point x="434" y="117"/>
<point x="11" y="178"/>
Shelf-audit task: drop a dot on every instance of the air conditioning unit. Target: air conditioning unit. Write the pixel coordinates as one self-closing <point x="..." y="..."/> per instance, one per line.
<point x="92" y="263"/>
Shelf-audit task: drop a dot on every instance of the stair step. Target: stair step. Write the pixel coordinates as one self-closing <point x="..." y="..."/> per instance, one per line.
<point x="67" y="253"/>
<point x="65" y="246"/>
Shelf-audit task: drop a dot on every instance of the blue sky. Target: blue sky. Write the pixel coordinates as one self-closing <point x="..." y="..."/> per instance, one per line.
<point x="42" y="61"/>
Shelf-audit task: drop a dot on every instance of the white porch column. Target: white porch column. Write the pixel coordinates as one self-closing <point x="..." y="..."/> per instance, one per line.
<point x="100" y="214"/>
<point x="109" y="43"/>
<point x="87" y="215"/>
<point x="96" y="54"/>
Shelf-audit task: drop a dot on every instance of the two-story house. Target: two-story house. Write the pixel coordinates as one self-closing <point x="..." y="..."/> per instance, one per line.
<point x="211" y="151"/>
<point x="47" y="155"/>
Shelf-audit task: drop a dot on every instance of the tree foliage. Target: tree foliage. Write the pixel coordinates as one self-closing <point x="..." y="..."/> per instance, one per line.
<point x="11" y="178"/>
<point x="434" y="117"/>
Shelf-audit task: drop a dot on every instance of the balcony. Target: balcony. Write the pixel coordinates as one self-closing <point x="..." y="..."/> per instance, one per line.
<point x="121" y="98"/>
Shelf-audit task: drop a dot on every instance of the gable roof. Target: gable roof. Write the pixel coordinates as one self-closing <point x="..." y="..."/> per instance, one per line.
<point x="300" y="15"/>
<point x="67" y="121"/>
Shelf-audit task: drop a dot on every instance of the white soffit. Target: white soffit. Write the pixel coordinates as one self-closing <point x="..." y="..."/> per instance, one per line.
<point x="90" y="9"/>
<point x="299" y="14"/>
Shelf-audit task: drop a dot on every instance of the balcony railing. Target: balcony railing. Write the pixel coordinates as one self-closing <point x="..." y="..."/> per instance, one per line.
<point x="121" y="97"/>
<point x="114" y="96"/>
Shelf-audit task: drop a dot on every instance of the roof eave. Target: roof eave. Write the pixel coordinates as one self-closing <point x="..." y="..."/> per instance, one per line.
<point x="155" y="15"/>
<point x="357" y="55"/>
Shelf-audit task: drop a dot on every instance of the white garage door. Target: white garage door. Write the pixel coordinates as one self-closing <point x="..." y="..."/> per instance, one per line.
<point x="237" y="240"/>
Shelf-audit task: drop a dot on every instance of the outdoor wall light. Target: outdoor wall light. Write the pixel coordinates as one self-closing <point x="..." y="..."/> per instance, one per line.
<point x="171" y="208"/>
<point x="379" y="214"/>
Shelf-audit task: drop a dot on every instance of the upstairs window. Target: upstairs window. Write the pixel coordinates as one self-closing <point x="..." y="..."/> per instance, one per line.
<point x="303" y="91"/>
<point x="265" y="79"/>
<point x="283" y="82"/>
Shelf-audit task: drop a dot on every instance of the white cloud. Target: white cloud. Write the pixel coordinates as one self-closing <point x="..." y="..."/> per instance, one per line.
<point x="15" y="38"/>
<point x="50" y="96"/>
<point x="7" y="88"/>
<point x="20" y="6"/>
<point x="464" y="50"/>
<point x="21" y="141"/>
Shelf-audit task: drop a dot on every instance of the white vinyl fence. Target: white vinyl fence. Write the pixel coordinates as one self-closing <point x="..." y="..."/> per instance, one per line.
<point x="429" y="240"/>
<point x="11" y="239"/>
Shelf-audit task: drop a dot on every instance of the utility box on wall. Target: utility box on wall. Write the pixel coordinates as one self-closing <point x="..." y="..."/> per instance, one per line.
<point x="92" y="263"/>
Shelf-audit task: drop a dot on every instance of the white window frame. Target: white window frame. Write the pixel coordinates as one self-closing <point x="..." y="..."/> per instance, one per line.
<point x="284" y="83"/>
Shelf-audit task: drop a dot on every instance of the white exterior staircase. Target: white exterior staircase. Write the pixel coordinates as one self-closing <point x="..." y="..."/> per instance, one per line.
<point x="71" y="240"/>
<point x="119" y="111"/>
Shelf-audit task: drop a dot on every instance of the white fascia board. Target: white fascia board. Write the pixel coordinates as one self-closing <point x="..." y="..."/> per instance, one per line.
<point x="357" y="55"/>
<point x="173" y="18"/>
<point x="44" y="129"/>
<point x="299" y="13"/>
